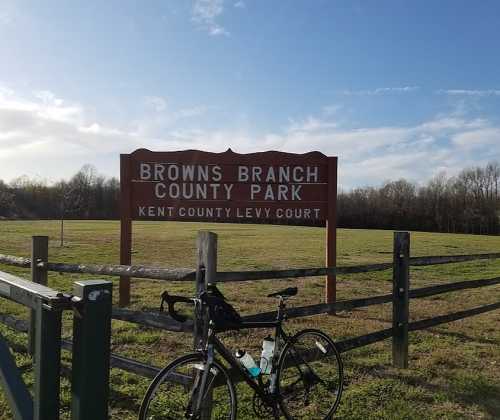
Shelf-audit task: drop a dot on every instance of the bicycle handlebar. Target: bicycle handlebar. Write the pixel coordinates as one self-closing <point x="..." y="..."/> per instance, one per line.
<point x="171" y="300"/>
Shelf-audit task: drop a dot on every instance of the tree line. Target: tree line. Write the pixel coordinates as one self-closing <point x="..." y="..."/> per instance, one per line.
<point x="86" y="195"/>
<point x="468" y="202"/>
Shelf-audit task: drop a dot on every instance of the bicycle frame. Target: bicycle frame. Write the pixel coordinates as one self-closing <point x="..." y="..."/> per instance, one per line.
<point x="210" y="373"/>
<point x="215" y="345"/>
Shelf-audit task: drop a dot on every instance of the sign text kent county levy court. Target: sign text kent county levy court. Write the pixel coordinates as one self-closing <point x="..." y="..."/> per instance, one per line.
<point x="176" y="183"/>
<point x="264" y="187"/>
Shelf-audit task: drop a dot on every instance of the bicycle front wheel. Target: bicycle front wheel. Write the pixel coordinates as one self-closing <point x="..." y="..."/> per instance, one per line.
<point x="176" y="392"/>
<point x="310" y="376"/>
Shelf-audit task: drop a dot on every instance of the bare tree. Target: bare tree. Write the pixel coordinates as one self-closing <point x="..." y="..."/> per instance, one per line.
<point x="76" y="196"/>
<point x="6" y="200"/>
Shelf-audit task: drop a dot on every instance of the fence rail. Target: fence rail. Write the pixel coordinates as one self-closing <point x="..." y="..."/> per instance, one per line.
<point x="187" y="274"/>
<point x="206" y="272"/>
<point x="164" y="322"/>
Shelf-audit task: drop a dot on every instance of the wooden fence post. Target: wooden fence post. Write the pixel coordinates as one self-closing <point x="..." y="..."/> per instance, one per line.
<point x="206" y="273"/>
<point x="331" y="233"/>
<point x="400" y="299"/>
<point x="125" y="227"/>
<point x="39" y="253"/>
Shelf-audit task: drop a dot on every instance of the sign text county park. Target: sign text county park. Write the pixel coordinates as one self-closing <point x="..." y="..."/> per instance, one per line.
<point x="193" y="185"/>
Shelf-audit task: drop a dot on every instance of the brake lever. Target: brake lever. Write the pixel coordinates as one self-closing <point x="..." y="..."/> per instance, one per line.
<point x="171" y="301"/>
<point x="164" y="297"/>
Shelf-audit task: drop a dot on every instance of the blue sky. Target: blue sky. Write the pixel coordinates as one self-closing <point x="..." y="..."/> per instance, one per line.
<point x="394" y="88"/>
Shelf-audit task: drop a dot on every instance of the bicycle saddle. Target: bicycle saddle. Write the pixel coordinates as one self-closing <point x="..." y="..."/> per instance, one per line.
<point x="288" y="292"/>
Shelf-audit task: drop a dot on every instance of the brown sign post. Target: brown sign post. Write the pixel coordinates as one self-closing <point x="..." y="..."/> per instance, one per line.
<point x="266" y="187"/>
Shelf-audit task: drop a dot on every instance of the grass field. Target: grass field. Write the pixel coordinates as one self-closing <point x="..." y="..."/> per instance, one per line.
<point x="454" y="368"/>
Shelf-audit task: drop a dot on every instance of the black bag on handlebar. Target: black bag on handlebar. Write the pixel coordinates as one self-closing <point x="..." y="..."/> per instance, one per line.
<point x="223" y="315"/>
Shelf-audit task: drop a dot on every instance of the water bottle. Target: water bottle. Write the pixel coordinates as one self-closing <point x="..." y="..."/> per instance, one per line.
<point x="247" y="361"/>
<point x="266" y="357"/>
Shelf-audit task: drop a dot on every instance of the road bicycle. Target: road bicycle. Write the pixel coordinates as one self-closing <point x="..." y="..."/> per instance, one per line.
<point x="304" y="378"/>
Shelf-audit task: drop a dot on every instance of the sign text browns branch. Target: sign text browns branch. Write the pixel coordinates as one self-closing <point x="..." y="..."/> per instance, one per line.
<point x="262" y="187"/>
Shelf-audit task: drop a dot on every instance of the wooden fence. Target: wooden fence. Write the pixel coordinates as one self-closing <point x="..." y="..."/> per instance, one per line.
<point x="206" y="272"/>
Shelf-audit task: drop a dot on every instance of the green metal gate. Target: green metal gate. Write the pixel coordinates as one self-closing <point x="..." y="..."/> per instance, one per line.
<point x="91" y="305"/>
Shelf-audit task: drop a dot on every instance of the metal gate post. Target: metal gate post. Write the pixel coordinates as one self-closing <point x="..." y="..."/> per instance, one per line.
<point x="47" y="362"/>
<point x="91" y="350"/>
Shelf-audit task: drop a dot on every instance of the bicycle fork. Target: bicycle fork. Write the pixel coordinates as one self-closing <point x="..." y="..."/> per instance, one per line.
<point x="201" y="386"/>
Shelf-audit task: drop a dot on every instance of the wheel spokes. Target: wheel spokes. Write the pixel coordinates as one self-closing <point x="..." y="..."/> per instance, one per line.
<point x="309" y="376"/>
<point x="179" y="394"/>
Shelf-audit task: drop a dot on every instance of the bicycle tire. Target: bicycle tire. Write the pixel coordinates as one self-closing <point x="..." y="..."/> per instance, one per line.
<point x="300" y="352"/>
<point x="191" y="362"/>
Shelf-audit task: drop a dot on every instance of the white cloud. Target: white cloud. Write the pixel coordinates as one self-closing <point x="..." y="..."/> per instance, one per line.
<point x="48" y="107"/>
<point x="156" y="103"/>
<point x="194" y="111"/>
<point x="9" y="13"/>
<point x="367" y="156"/>
<point x="445" y="124"/>
<point x="163" y="119"/>
<point x="478" y="139"/>
<point x="310" y="124"/>
<point x="240" y="5"/>
<point x="160" y="106"/>
<point x="5" y="18"/>
<point x="381" y="91"/>
<point x="330" y="110"/>
<point x="47" y="97"/>
<point x="470" y="92"/>
<point x="46" y="136"/>
<point x="205" y="14"/>
<point x="218" y="30"/>
<point x="371" y="155"/>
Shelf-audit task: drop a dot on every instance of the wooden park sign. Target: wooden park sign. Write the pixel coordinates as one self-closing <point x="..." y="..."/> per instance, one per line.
<point x="192" y="185"/>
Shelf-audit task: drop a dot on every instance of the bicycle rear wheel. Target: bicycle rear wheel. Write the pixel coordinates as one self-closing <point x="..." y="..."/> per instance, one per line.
<point x="174" y="391"/>
<point x="310" y="376"/>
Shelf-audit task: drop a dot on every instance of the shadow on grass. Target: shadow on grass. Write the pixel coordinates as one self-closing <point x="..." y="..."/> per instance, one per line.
<point x="460" y="387"/>
<point x="464" y="337"/>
